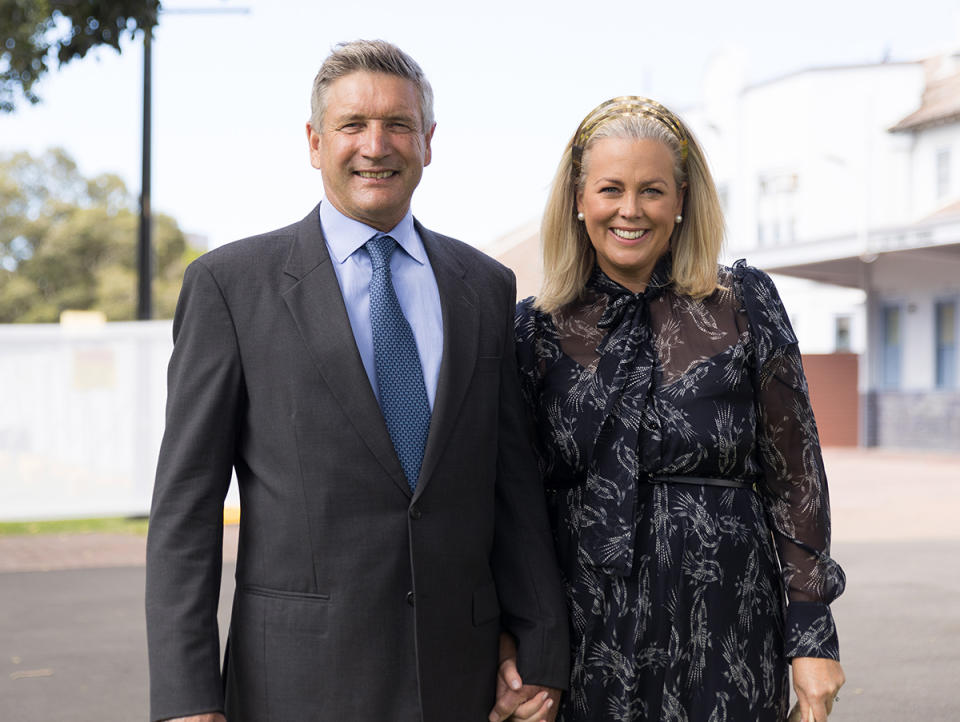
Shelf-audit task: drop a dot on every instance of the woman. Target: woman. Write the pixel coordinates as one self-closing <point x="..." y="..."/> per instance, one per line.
<point x="679" y="451"/>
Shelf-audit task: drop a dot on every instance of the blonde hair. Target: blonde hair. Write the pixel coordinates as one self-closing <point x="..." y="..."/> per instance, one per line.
<point x="568" y="256"/>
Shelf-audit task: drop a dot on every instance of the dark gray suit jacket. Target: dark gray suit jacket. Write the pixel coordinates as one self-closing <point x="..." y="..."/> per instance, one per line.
<point x="355" y="600"/>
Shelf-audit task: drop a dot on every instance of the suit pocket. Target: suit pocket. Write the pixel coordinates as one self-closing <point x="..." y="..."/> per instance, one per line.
<point x="486" y="606"/>
<point x="488" y="364"/>
<point x="291" y="612"/>
<point x="292" y="639"/>
<point x="277" y="638"/>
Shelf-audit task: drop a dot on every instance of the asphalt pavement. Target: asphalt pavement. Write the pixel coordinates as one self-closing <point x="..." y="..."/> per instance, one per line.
<point x="73" y="643"/>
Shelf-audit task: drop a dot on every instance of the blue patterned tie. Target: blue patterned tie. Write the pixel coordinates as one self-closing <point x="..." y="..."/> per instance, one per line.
<point x="403" y="394"/>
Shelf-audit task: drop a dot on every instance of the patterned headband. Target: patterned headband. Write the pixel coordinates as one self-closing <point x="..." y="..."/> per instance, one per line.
<point x="625" y="105"/>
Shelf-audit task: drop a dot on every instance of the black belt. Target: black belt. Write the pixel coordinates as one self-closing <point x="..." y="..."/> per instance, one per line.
<point x="702" y="481"/>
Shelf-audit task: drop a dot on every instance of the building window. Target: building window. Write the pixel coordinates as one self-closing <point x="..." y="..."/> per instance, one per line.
<point x="946" y="339"/>
<point x="777" y="203"/>
<point x="890" y="343"/>
<point x="943" y="172"/>
<point x="841" y="334"/>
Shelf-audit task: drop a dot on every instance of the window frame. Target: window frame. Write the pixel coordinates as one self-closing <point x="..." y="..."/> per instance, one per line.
<point x="891" y="355"/>
<point x="944" y="355"/>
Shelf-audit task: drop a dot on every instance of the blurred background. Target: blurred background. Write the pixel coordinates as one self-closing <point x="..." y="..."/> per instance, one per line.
<point x="833" y="133"/>
<point x="833" y="130"/>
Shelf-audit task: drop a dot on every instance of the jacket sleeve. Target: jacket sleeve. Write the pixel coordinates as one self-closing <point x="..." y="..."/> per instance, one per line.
<point x="185" y="539"/>
<point x="795" y="491"/>
<point x="525" y="565"/>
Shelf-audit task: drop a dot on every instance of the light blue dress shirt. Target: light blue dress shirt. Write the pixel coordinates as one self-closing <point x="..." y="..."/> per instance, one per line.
<point x="413" y="280"/>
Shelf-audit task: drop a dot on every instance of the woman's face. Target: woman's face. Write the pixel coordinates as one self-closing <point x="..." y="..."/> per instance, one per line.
<point x="630" y="201"/>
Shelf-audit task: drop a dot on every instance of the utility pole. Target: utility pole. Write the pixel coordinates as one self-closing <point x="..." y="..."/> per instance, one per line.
<point x="144" y="245"/>
<point x="144" y="241"/>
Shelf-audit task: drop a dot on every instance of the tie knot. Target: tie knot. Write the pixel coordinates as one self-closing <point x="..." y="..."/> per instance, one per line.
<point x="380" y="248"/>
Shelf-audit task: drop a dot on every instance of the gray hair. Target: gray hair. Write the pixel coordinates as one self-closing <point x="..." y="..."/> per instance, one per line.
<point x="375" y="56"/>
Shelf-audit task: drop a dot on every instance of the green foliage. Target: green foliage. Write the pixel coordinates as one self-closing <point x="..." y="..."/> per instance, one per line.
<point x="108" y="525"/>
<point x="36" y="31"/>
<point x="69" y="243"/>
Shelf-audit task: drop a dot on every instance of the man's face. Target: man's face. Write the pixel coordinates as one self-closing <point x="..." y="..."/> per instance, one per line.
<point x="372" y="147"/>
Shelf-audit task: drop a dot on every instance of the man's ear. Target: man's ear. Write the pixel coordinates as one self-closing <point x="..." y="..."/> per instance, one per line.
<point x="427" y="152"/>
<point x="314" y="141"/>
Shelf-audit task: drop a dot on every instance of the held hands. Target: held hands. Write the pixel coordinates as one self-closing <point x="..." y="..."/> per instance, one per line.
<point x="516" y="701"/>
<point x="816" y="682"/>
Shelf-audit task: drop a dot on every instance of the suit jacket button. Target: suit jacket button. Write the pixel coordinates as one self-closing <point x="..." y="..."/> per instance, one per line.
<point x="415" y="512"/>
<point x="411" y="599"/>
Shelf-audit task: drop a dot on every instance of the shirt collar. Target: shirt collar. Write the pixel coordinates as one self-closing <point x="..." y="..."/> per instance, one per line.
<point x="346" y="235"/>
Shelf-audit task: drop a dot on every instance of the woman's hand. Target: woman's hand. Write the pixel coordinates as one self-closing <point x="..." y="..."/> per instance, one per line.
<point x="816" y="682"/>
<point x="540" y="708"/>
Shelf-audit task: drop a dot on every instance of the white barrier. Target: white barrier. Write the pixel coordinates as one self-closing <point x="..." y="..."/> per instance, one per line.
<point x="81" y="418"/>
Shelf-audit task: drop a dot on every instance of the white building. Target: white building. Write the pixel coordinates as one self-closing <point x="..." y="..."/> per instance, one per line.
<point x="851" y="176"/>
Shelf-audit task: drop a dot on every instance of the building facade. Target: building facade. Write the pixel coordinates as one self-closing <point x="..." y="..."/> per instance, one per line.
<point x="850" y="176"/>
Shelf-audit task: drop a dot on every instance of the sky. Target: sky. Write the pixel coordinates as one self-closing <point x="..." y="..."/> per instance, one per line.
<point x="512" y="81"/>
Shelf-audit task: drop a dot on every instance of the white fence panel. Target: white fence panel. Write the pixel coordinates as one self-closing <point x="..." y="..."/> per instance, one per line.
<point x="81" y="418"/>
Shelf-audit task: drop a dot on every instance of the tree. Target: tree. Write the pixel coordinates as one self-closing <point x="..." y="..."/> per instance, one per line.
<point x="34" y="31"/>
<point x="69" y="243"/>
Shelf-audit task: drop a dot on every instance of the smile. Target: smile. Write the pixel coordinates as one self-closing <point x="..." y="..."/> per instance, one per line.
<point x="375" y="174"/>
<point x="627" y="235"/>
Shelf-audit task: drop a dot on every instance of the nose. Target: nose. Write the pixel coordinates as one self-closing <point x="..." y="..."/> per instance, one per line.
<point x="375" y="141"/>
<point x="630" y="206"/>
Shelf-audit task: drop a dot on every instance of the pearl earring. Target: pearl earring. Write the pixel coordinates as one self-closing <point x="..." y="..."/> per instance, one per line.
<point x="679" y="218"/>
<point x="580" y="216"/>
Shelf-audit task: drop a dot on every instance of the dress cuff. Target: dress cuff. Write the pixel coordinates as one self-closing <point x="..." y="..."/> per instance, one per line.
<point x="811" y="631"/>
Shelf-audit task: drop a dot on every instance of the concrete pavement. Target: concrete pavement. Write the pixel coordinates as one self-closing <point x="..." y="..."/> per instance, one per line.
<point x="72" y="639"/>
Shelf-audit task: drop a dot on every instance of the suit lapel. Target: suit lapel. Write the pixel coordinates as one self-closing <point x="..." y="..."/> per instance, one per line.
<point x="461" y="327"/>
<point x="316" y="304"/>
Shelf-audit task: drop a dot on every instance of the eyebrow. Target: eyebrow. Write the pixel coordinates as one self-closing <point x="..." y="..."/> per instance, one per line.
<point x="647" y="182"/>
<point x="362" y="116"/>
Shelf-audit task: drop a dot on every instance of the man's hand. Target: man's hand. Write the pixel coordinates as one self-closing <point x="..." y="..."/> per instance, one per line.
<point x="212" y="717"/>
<point x="816" y="682"/>
<point x="515" y="700"/>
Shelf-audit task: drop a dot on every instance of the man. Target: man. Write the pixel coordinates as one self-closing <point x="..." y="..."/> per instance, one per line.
<point x="357" y="372"/>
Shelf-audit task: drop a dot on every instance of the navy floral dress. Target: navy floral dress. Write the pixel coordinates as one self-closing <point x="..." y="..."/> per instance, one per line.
<point x="686" y="600"/>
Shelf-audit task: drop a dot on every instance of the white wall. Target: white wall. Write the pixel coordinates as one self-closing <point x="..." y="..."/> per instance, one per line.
<point x="925" y="198"/>
<point x="827" y="130"/>
<point x="81" y="418"/>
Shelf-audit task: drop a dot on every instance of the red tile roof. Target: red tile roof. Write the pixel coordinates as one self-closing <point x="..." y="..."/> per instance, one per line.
<point x="941" y="98"/>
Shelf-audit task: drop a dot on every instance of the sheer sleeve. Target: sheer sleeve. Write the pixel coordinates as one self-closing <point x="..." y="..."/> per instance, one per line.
<point x="795" y="485"/>
<point x="533" y="351"/>
<point x="526" y="347"/>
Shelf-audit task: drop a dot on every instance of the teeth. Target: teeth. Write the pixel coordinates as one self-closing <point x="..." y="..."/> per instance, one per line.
<point x="369" y="174"/>
<point x="627" y="235"/>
